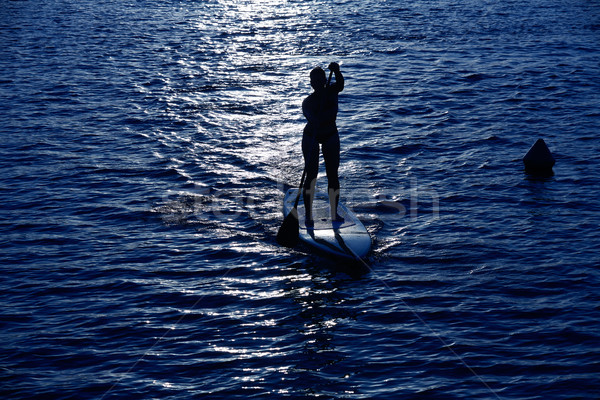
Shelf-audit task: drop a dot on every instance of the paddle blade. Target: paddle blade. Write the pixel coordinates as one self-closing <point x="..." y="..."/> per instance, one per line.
<point x="289" y="230"/>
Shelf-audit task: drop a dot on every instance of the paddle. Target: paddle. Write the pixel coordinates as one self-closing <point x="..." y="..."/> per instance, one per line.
<point x="290" y="228"/>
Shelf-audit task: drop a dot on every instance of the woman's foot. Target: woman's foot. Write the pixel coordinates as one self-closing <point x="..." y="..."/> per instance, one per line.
<point x="309" y="222"/>
<point x="338" y="219"/>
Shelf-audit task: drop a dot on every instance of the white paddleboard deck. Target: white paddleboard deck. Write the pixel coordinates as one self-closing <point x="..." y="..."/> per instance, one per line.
<point x="348" y="239"/>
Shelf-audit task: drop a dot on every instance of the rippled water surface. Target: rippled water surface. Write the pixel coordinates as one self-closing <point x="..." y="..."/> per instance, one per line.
<point x="145" y="149"/>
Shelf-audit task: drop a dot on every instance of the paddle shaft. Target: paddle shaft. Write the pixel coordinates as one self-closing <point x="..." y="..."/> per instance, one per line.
<point x="300" y="188"/>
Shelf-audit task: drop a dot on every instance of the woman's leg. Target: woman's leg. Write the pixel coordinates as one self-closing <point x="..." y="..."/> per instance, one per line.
<point x="310" y="150"/>
<point x="331" y="154"/>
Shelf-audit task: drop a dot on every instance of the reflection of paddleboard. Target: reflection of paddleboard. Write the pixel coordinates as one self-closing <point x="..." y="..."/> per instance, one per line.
<point x="349" y="239"/>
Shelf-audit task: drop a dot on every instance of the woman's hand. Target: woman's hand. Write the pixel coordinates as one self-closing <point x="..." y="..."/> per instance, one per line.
<point x="335" y="67"/>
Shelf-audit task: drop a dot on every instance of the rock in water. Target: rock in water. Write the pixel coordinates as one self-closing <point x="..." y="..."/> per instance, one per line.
<point x="538" y="159"/>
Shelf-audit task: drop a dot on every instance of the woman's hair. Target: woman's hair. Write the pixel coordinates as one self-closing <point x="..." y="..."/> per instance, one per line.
<point x="317" y="72"/>
<point x="317" y="78"/>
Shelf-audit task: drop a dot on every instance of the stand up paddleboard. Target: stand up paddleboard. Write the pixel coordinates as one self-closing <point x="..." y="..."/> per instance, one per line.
<point x="349" y="239"/>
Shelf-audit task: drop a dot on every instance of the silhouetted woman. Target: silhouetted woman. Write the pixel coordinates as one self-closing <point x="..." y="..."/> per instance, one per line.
<point x="320" y="109"/>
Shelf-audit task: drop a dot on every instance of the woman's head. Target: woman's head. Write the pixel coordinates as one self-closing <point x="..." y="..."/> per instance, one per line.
<point x="317" y="78"/>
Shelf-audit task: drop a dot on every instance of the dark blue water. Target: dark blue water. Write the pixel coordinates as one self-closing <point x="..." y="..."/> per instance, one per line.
<point x="145" y="149"/>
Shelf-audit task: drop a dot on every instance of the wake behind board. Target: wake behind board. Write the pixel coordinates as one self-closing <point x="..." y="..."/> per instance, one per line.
<point x="349" y="239"/>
